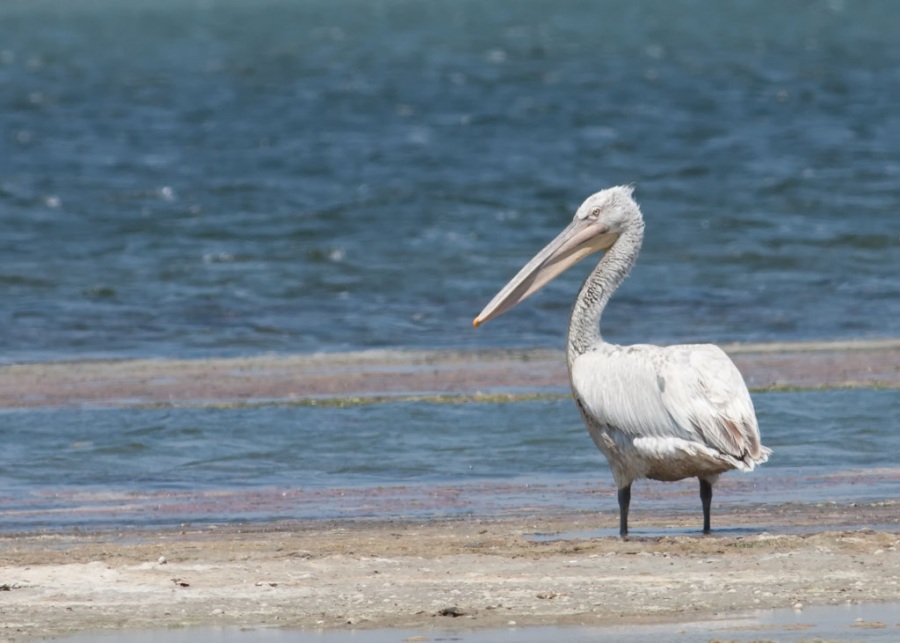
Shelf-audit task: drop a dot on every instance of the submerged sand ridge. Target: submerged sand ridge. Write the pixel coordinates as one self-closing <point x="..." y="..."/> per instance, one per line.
<point x="370" y="375"/>
<point x="447" y="574"/>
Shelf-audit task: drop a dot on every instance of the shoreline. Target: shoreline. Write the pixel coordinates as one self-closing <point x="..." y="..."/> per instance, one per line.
<point x="537" y="570"/>
<point x="101" y="509"/>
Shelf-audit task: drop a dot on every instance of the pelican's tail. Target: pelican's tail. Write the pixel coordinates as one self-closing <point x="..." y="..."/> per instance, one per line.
<point x="750" y="461"/>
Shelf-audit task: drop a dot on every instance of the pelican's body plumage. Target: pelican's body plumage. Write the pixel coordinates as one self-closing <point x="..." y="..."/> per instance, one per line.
<point x="666" y="413"/>
<point x="660" y="412"/>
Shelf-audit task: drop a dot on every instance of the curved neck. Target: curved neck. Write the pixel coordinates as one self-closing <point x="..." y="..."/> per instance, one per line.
<point x="584" y="324"/>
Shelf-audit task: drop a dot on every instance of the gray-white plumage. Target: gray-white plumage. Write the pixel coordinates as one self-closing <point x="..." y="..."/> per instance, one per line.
<point x="664" y="413"/>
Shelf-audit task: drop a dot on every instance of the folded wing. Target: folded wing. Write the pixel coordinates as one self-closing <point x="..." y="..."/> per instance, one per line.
<point x="689" y="392"/>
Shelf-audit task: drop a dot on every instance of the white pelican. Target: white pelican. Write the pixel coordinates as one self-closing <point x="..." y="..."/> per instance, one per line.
<point x="659" y="412"/>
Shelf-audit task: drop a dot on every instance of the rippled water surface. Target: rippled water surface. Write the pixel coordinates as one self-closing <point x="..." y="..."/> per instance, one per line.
<point x="395" y="443"/>
<point x="228" y="177"/>
<point x="289" y="462"/>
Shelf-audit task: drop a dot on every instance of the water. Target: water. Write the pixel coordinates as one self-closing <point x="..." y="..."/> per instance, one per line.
<point x="868" y="623"/>
<point x="226" y="177"/>
<point x="218" y="177"/>
<point x="416" y="459"/>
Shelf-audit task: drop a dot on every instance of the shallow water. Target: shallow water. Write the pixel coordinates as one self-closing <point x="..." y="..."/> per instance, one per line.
<point x="224" y="177"/>
<point x="151" y="467"/>
<point x="870" y="623"/>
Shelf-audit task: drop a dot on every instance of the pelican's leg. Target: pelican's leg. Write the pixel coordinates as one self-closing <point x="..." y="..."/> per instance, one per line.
<point x="624" y="501"/>
<point x="706" y="499"/>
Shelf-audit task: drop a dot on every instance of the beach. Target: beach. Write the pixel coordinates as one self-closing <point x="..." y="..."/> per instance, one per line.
<point x="436" y="575"/>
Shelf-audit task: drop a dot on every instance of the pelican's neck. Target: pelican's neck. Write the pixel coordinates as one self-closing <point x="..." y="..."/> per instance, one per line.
<point x="584" y="324"/>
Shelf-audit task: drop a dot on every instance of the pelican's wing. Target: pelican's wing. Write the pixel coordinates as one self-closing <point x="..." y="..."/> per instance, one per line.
<point x="703" y="390"/>
<point x="619" y="387"/>
<point x="693" y="393"/>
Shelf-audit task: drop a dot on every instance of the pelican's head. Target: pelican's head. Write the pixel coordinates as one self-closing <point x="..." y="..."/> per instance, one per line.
<point x="598" y="223"/>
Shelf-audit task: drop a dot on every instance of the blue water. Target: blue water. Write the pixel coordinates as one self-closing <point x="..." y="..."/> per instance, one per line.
<point x="226" y="177"/>
<point x="292" y="459"/>
<point x="316" y="447"/>
<point x="229" y="177"/>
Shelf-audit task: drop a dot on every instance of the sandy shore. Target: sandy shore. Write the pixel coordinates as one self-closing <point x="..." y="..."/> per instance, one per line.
<point x="536" y="570"/>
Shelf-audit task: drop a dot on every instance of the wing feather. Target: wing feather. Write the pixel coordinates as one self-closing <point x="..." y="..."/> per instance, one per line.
<point x="689" y="392"/>
<point x="707" y="392"/>
<point x="619" y="387"/>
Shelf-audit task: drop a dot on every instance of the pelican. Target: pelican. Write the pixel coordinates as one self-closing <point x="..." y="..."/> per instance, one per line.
<point x="659" y="412"/>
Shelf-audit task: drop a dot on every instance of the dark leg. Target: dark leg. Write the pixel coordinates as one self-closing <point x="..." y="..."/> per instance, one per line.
<point x="624" y="501"/>
<point x="706" y="499"/>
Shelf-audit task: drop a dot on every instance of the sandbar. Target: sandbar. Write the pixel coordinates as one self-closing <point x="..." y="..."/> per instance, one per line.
<point x="464" y="572"/>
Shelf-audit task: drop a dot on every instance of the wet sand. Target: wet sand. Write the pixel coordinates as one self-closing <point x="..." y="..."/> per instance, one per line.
<point x="368" y="376"/>
<point x="446" y="574"/>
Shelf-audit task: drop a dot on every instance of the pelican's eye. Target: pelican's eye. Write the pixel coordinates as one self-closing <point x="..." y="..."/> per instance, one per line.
<point x="595" y="213"/>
